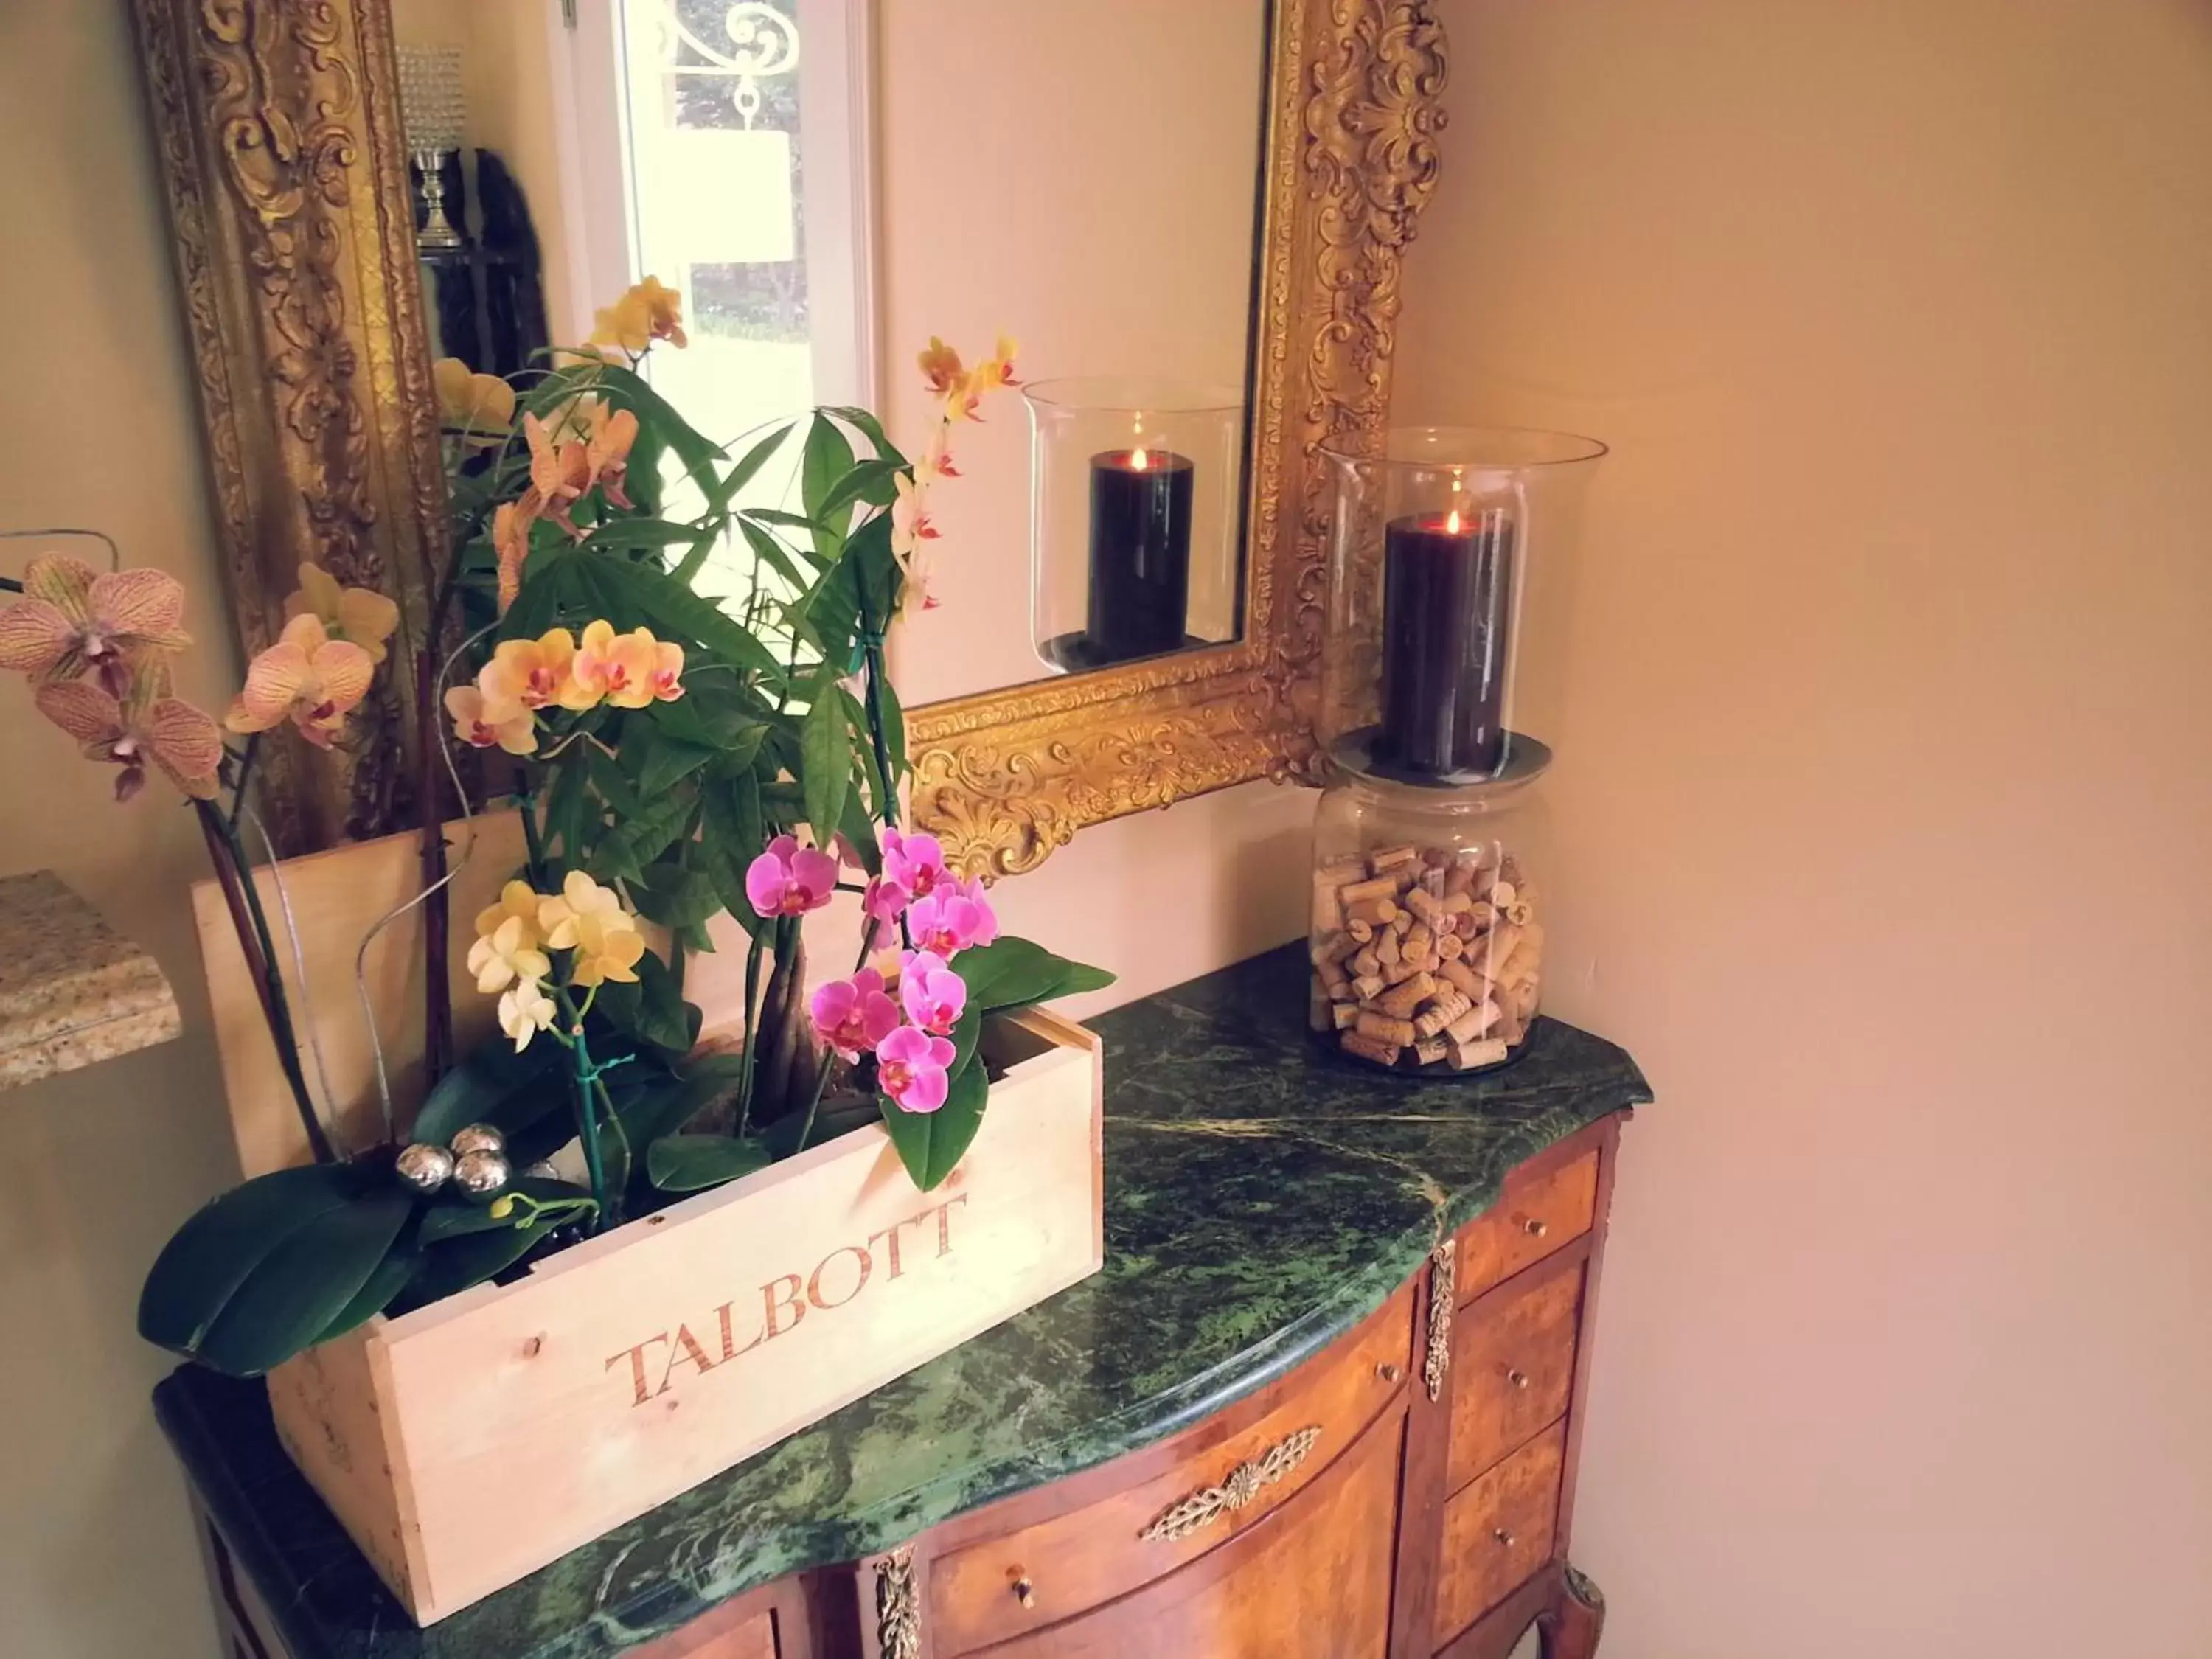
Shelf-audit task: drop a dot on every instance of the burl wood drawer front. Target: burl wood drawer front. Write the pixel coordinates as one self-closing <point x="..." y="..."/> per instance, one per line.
<point x="1225" y="1476"/>
<point x="1496" y="1532"/>
<point x="1311" y="1581"/>
<point x="1533" y="1217"/>
<point x="1513" y="1365"/>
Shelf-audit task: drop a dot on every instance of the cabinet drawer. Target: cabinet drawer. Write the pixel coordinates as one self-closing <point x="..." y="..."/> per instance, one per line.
<point x="1311" y="1581"/>
<point x="1533" y="1217"/>
<point x="1224" y="1477"/>
<point x="1513" y="1365"/>
<point x="1497" y="1531"/>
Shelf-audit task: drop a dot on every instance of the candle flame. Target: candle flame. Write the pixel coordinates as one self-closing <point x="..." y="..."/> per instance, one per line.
<point x="1451" y="521"/>
<point x="1138" y="460"/>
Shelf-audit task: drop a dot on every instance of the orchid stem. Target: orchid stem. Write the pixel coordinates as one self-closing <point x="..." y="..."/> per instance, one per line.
<point x="224" y="844"/>
<point x="245" y="779"/>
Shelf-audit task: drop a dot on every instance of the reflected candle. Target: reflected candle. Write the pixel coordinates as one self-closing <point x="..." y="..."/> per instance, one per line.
<point x="1139" y="553"/>
<point x="1447" y="608"/>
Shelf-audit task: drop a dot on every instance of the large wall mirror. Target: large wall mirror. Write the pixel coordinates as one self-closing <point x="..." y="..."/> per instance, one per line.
<point x="1190" y="216"/>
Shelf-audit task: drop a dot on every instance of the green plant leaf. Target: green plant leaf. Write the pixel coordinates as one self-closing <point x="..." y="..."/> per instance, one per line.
<point x="669" y="1104"/>
<point x="653" y="1011"/>
<point x="511" y="1091"/>
<point x="860" y="830"/>
<point x="930" y="1143"/>
<point x="638" y="532"/>
<point x="382" y="1289"/>
<point x="870" y="429"/>
<point x="456" y="1264"/>
<point x="452" y="1217"/>
<point x="227" y="1240"/>
<point x="826" y="461"/>
<point x="826" y="752"/>
<point x="773" y="553"/>
<point x="687" y="1163"/>
<point x="625" y="388"/>
<point x="672" y="758"/>
<point x="831" y="1120"/>
<point x="1012" y="973"/>
<point x="749" y="464"/>
<point x="677" y="896"/>
<point x="867" y="481"/>
<point x="966" y="1032"/>
<point x="302" y="1287"/>
<point x="672" y="609"/>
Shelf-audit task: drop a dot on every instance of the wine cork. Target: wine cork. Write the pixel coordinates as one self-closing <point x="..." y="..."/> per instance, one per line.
<point x="1449" y="1004"/>
<point x="1358" y="932"/>
<point x="1364" y="961"/>
<point x="1466" y="1056"/>
<point x="1383" y="887"/>
<point x="1429" y="1050"/>
<point x="1459" y="975"/>
<point x="1428" y="910"/>
<point x="1368" y="987"/>
<point x="1479" y="1018"/>
<point x="1400" y="1001"/>
<point x="1387" y="949"/>
<point x="1377" y="913"/>
<point x="1374" y="1048"/>
<point x="1450" y="948"/>
<point x="1333" y="979"/>
<point x="1346" y="1014"/>
<point x="1383" y="1028"/>
<point x="1389" y="858"/>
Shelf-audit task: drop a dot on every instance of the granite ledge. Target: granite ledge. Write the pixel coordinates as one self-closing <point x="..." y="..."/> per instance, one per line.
<point x="1262" y="1197"/>
<point x="73" y="990"/>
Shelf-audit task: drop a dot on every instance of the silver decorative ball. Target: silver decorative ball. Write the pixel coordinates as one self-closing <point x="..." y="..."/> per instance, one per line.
<point x="476" y="1137"/>
<point x="425" y="1168"/>
<point x="481" y="1175"/>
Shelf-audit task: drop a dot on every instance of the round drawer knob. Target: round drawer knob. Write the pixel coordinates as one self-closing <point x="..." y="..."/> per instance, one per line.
<point x="1518" y="1379"/>
<point x="1504" y="1538"/>
<point x="1535" y="1226"/>
<point x="1388" y="1372"/>
<point x="1024" y="1591"/>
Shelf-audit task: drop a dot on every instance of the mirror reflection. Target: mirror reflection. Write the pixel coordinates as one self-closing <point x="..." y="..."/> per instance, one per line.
<point x="828" y="183"/>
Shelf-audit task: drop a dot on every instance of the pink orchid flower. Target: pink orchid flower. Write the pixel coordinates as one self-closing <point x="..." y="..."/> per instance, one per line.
<point x="950" y="921"/>
<point x="72" y="619"/>
<point x="171" y="733"/>
<point x="884" y="902"/>
<point x="915" y="862"/>
<point x="854" y="1015"/>
<point x="910" y="1068"/>
<point x="932" y="994"/>
<point x="789" y="880"/>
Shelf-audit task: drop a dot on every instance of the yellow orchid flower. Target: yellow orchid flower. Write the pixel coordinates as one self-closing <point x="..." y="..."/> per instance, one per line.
<point x="480" y="405"/>
<point x="607" y="947"/>
<point x="996" y="370"/>
<point x="940" y="367"/>
<point x="506" y="956"/>
<point x="71" y="618"/>
<point x="307" y="678"/>
<point x="516" y="903"/>
<point x="483" y="724"/>
<point x="359" y="615"/>
<point x="910" y="522"/>
<point x="627" y="670"/>
<point x="532" y="672"/>
<point x="581" y="897"/>
<point x="525" y="1010"/>
<point x="648" y="311"/>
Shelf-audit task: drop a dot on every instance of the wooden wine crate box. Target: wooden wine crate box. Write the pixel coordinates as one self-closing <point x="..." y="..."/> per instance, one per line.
<point x="472" y="1441"/>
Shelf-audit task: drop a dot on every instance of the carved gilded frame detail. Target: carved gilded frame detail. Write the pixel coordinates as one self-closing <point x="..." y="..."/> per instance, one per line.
<point x="278" y="128"/>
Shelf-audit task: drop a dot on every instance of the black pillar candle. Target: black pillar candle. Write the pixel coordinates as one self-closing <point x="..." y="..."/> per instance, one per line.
<point x="1446" y="611"/>
<point x="1139" y="553"/>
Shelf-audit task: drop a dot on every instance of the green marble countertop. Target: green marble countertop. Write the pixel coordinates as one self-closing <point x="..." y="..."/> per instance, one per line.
<point x="1262" y="1196"/>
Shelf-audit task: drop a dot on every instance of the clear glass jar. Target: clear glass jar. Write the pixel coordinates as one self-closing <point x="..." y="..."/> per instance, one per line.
<point x="1426" y="935"/>
<point x="1445" y="554"/>
<point x="1133" y="517"/>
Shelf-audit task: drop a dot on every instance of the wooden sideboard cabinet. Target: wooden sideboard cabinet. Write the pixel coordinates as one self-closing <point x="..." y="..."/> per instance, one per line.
<point x="1406" y="1492"/>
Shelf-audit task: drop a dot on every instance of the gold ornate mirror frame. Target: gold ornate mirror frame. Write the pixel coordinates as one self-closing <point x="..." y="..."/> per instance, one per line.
<point x="278" y="127"/>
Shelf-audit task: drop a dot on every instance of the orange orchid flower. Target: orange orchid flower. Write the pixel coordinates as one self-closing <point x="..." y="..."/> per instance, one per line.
<point x="559" y="473"/>
<point x="480" y="405"/>
<point x="483" y="724"/>
<point x="510" y="540"/>
<point x="178" y="738"/>
<point x="627" y="670"/>
<point x="648" y="311"/>
<point x="996" y="370"/>
<point x="609" y="434"/>
<point x="307" y="678"/>
<point x="910" y="522"/>
<point x="72" y="619"/>
<point x="532" y="673"/>
<point x="359" y="615"/>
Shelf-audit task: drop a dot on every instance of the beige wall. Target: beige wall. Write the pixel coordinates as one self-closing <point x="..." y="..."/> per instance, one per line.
<point x="96" y="1559"/>
<point x="1885" y="790"/>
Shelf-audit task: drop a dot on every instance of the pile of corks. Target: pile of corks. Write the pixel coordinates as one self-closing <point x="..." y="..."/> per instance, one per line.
<point x="1427" y="951"/>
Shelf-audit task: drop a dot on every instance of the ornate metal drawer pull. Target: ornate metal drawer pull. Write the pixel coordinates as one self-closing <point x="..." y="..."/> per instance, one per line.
<point x="1238" y="1488"/>
<point x="1443" y="1276"/>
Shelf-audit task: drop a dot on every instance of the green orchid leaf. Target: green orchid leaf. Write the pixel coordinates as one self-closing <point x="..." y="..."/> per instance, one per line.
<point x="1013" y="973"/>
<point x="831" y="1120"/>
<point x="300" y="1289"/>
<point x="227" y="1240"/>
<point x="669" y="1104"/>
<point x="690" y="1164"/>
<point x="511" y="1091"/>
<point x="930" y="1143"/>
<point x="378" y="1292"/>
<point x="454" y="1265"/>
